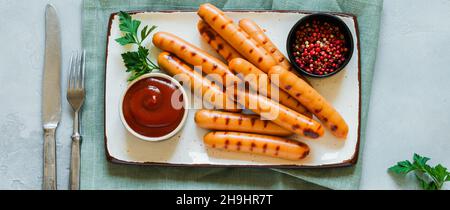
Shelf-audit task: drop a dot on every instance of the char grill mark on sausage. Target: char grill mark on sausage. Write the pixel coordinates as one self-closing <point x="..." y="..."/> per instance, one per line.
<point x="220" y="47"/>
<point x="276" y="150"/>
<point x="228" y="56"/>
<point x="238" y="145"/>
<point x="334" y="127"/>
<point x="264" y="148"/>
<point x="253" y="120"/>
<point x="304" y="154"/>
<point x="252" y="146"/>
<point x="310" y="133"/>
<point x="266" y="122"/>
<point x="227" y="142"/>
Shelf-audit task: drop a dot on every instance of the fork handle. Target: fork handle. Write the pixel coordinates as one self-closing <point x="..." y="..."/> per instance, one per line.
<point x="75" y="162"/>
<point x="49" y="179"/>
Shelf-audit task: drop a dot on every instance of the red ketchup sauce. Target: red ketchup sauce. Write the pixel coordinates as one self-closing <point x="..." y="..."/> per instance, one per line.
<point x="148" y="109"/>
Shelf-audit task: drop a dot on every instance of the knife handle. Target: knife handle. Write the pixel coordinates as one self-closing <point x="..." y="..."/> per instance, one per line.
<point x="75" y="162"/>
<point x="49" y="182"/>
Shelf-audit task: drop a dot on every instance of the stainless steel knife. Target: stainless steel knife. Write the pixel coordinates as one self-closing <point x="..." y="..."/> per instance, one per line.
<point x="51" y="97"/>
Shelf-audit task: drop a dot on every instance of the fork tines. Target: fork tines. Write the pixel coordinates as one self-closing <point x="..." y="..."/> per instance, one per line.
<point x="75" y="83"/>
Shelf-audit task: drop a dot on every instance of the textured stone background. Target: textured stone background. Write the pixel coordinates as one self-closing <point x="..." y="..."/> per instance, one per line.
<point x="408" y="111"/>
<point x="21" y="67"/>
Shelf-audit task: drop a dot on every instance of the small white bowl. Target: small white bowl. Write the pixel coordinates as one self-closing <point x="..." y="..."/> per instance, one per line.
<point x="182" y="122"/>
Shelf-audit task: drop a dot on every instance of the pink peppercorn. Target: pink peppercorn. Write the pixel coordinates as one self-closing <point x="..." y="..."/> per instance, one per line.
<point x="319" y="47"/>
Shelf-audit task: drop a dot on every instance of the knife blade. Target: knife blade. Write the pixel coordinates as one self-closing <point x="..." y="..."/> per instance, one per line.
<point x="51" y="97"/>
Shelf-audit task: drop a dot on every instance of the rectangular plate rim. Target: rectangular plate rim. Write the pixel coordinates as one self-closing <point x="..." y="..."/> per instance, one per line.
<point x="346" y="163"/>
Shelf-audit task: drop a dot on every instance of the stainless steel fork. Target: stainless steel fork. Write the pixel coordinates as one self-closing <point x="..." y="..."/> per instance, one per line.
<point x="75" y="96"/>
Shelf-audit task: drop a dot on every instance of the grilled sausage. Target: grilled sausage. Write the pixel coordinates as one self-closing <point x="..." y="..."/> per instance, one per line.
<point x="195" y="57"/>
<point x="312" y="100"/>
<point x="257" y="144"/>
<point x="211" y="92"/>
<point x="280" y="114"/>
<point x="236" y="37"/>
<point x="245" y="68"/>
<point x="226" y="121"/>
<point x="217" y="42"/>
<point x="257" y="34"/>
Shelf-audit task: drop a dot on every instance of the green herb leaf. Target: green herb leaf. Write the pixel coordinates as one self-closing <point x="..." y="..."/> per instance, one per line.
<point x="440" y="171"/>
<point x="132" y="61"/>
<point x="430" y="178"/>
<point x="127" y="24"/>
<point x="150" y="30"/>
<point x="419" y="161"/>
<point x="402" y="167"/>
<point x="143" y="52"/>
<point x="136" y="62"/>
<point x="426" y="185"/>
<point x="144" y="33"/>
<point x="126" y="39"/>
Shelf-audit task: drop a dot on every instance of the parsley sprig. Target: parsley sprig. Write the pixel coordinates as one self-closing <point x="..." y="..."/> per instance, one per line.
<point x="136" y="62"/>
<point x="430" y="178"/>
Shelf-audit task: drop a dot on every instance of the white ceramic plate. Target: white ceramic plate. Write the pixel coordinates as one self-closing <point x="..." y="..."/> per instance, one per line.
<point x="187" y="148"/>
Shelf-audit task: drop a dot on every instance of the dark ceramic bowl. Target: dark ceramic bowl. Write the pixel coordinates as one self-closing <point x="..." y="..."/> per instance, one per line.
<point x="334" y="20"/>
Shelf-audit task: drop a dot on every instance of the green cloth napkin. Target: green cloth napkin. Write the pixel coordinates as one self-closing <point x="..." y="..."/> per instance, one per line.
<point x="98" y="173"/>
